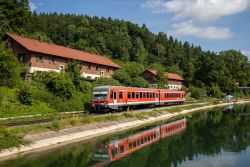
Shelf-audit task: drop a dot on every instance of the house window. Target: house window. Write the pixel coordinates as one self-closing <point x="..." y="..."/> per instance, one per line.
<point x="89" y="67"/>
<point x="52" y="60"/>
<point x="39" y="59"/>
<point x="97" y="68"/>
<point x="102" y="73"/>
<point x="21" y="58"/>
<point x="61" y="68"/>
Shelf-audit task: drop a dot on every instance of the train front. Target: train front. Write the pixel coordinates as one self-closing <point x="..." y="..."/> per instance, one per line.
<point x="99" y="100"/>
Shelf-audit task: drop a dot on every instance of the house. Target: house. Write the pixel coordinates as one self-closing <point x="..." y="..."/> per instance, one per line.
<point x="40" y="56"/>
<point x="175" y="81"/>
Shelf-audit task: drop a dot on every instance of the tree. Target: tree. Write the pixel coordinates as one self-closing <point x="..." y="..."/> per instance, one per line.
<point x="105" y="81"/>
<point x="161" y="79"/>
<point x="139" y="82"/>
<point x="74" y="72"/>
<point x="139" y="52"/>
<point x="122" y="76"/>
<point x="10" y="69"/>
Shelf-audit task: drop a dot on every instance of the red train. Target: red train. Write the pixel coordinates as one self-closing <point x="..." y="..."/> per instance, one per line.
<point x="119" y="98"/>
<point x="117" y="149"/>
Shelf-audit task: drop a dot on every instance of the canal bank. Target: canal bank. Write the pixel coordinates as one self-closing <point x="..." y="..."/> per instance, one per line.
<point x="66" y="137"/>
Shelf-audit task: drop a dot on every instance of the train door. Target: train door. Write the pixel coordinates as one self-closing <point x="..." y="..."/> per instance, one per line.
<point x="157" y="97"/>
<point x="115" y="97"/>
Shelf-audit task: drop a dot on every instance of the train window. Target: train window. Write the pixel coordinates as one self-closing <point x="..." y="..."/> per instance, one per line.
<point x="111" y="94"/>
<point x="147" y="94"/>
<point x="156" y="95"/>
<point x="116" y="151"/>
<point x="129" y="95"/>
<point x="137" y="95"/>
<point x="133" y="95"/>
<point x="134" y="144"/>
<point x="122" y="149"/>
<point x="142" y="141"/>
<point x="138" y="143"/>
<point x="148" y="138"/>
<point x="115" y="95"/>
<point x="141" y="95"/>
<point x="144" y="95"/>
<point x="154" y="135"/>
<point x="151" y="95"/>
<point x="120" y="95"/>
<point x="130" y="146"/>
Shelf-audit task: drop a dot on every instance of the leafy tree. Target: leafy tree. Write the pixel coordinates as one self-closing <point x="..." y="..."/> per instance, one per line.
<point x="10" y="69"/>
<point x="139" y="51"/>
<point x="161" y="79"/>
<point x="122" y="76"/>
<point x="74" y="72"/>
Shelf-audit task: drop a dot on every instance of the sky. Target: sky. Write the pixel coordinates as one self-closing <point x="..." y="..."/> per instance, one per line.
<point x="215" y="25"/>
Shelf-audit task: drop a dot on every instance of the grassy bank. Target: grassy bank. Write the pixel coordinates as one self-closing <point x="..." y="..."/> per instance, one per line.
<point x="13" y="136"/>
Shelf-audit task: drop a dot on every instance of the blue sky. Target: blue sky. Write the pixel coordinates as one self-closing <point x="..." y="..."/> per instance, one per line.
<point x="213" y="24"/>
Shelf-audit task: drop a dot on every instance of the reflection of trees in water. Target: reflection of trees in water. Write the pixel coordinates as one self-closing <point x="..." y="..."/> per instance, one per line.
<point x="206" y="134"/>
<point x="76" y="156"/>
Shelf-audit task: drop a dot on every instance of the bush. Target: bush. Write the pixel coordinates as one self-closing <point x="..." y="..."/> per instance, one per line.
<point x="105" y="81"/>
<point x="122" y="76"/>
<point x="25" y="96"/>
<point x="59" y="84"/>
<point x="197" y="93"/>
<point x="215" y="91"/>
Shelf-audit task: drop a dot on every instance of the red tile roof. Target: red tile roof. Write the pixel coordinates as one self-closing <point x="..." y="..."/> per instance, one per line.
<point x="60" y="51"/>
<point x="169" y="75"/>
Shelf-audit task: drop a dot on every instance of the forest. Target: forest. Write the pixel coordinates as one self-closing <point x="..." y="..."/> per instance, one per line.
<point x="132" y="46"/>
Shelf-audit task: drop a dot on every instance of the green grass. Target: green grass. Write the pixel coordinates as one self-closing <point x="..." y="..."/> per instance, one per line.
<point x="10" y="139"/>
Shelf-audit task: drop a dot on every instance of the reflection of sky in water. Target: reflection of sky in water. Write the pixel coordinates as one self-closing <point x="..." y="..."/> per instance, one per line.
<point x="225" y="159"/>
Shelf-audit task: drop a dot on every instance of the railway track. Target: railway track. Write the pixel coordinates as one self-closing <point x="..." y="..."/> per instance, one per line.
<point x="48" y="120"/>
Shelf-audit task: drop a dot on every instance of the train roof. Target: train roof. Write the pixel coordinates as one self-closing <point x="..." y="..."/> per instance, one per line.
<point x="108" y="87"/>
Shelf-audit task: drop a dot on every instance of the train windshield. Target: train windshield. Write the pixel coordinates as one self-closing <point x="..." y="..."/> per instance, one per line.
<point x="100" y="95"/>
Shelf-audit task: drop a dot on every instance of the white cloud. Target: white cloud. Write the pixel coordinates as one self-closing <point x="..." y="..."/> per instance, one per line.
<point x="32" y="6"/>
<point x="246" y="53"/>
<point x="202" y="14"/>
<point x="190" y="29"/>
<point x="210" y="161"/>
<point x="201" y="10"/>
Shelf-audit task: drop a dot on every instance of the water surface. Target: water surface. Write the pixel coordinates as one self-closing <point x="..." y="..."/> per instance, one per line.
<point x="217" y="138"/>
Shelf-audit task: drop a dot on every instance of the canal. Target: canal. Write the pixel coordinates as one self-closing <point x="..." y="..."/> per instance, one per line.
<point x="216" y="138"/>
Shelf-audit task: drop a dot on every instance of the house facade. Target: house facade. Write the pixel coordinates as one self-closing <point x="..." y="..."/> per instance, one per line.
<point x="175" y="81"/>
<point x="40" y="56"/>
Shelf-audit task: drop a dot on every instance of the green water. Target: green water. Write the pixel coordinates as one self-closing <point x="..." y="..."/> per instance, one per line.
<point x="217" y="138"/>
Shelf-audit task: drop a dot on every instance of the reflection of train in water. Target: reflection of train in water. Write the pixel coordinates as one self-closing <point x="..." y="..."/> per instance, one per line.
<point x="120" y="98"/>
<point x="119" y="148"/>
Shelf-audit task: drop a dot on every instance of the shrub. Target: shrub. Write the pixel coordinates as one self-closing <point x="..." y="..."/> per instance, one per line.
<point x="197" y="93"/>
<point x="59" y="84"/>
<point x="25" y="96"/>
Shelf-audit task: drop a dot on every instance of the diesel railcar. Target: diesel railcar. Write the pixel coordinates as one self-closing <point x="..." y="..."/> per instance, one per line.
<point x="119" y="98"/>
